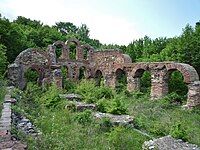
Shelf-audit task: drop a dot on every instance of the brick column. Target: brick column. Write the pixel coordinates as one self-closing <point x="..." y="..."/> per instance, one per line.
<point x="159" y="84"/>
<point x="133" y="84"/>
<point x="193" y="94"/>
<point x="110" y="80"/>
<point x="57" y="78"/>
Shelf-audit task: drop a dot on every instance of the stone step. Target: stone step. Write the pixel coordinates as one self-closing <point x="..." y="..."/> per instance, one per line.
<point x="115" y="119"/>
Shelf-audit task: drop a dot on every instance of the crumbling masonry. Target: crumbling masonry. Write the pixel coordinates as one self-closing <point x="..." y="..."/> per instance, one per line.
<point x="100" y="63"/>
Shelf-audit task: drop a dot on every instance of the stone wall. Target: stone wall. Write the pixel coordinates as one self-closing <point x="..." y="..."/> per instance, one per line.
<point x="105" y="63"/>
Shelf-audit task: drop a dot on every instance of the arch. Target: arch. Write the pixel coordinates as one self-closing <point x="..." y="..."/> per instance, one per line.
<point x="64" y="53"/>
<point x="188" y="72"/>
<point x="139" y="69"/>
<point x="87" y="51"/>
<point x="78" y="50"/>
<point x="82" y="73"/>
<point x="98" y="77"/>
<point x="40" y="71"/>
<point x="121" y="80"/>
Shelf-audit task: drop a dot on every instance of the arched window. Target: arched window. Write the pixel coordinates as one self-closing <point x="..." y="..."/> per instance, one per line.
<point x="121" y="80"/>
<point x="98" y="78"/>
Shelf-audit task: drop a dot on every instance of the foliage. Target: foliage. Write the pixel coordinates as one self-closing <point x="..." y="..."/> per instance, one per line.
<point x="67" y="84"/>
<point x="51" y="98"/>
<point x="87" y="89"/>
<point x="117" y="106"/>
<point x="105" y="124"/>
<point x="123" y="138"/>
<point x="84" y="117"/>
<point x="92" y="93"/>
<point x="177" y="131"/>
<point x="3" y="60"/>
<point x="31" y="75"/>
<point x="176" y="84"/>
<point x="2" y="93"/>
<point x="146" y="82"/>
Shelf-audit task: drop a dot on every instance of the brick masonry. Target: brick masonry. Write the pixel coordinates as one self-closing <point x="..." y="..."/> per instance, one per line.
<point x="106" y="63"/>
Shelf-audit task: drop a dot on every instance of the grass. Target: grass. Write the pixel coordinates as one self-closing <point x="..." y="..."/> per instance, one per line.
<point x="160" y="118"/>
<point x="64" y="129"/>
<point x="2" y="94"/>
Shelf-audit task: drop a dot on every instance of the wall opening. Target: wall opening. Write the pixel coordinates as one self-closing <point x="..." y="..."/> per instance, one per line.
<point x="82" y="73"/>
<point x="176" y="86"/>
<point x="85" y="53"/>
<point x="121" y="80"/>
<point x="145" y="82"/>
<point x="99" y="78"/>
<point x="72" y="50"/>
<point x="58" y="51"/>
<point x="32" y="75"/>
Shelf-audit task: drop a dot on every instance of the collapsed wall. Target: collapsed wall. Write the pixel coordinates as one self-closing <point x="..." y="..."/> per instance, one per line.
<point x="108" y="64"/>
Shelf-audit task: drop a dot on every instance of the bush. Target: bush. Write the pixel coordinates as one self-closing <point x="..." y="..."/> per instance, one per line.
<point x="31" y="75"/>
<point x="174" y="98"/>
<point x="105" y="124"/>
<point x="102" y="105"/>
<point x="84" y="117"/>
<point x="117" y="107"/>
<point x="87" y="89"/>
<point x="178" y="132"/>
<point x="104" y="92"/>
<point x="51" y="98"/>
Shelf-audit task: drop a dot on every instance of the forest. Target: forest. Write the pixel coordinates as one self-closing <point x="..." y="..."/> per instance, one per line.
<point x="68" y="129"/>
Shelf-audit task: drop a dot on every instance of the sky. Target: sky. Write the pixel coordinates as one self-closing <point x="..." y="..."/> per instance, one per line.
<point x="111" y="21"/>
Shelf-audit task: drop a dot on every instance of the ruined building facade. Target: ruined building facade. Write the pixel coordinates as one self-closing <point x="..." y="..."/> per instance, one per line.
<point x="107" y="64"/>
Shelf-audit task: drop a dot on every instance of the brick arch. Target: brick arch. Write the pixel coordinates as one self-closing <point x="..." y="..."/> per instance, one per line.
<point x="79" y="53"/>
<point x="139" y="69"/>
<point x="188" y="72"/>
<point x="90" y="51"/>
<point x="98" y="75"/>
<point x="65" y="50"/>
<point x="38" y="68"/>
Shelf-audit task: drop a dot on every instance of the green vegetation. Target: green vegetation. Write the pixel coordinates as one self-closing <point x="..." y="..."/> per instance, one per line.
<point x="2" y="93"/>
<point x="66" y="129"/>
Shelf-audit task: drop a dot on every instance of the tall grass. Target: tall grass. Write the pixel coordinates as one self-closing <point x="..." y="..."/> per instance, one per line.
<point x="2" y="93"/>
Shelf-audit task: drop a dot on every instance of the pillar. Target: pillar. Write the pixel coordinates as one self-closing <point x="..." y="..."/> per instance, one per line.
<point x="193" y="98"/>
<point x="57" y="78"/>
<point x="159" y="84"/>
<point x="110" y="80"/>
<point x="133" y="84"/>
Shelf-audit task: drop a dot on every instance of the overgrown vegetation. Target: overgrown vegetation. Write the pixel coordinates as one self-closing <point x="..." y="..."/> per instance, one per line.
<point x="2" y="93"/>
<point x="66" y="129"/>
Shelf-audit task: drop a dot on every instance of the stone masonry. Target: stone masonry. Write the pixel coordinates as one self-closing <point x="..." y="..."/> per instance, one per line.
<point x="107" y="64"/>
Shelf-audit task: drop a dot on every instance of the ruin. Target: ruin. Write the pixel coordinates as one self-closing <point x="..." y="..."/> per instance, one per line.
<point x="95" y="64"/>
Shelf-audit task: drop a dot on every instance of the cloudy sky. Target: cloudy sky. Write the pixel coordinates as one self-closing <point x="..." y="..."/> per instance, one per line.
<point x="111" y="21"/>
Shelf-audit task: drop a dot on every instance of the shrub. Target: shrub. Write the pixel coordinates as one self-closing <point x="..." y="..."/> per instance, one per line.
<point x="84" y="117"/>
<point x="51" y="98"/>
<point x="87" y="89"/>
<point x="31" y="75"/>
<point x="173" y="98"/>
<point x="102" y="105"/>
<point x="104" y="92"/>
<point x="117" y="106"/>
<point x="177" y="131"/>
<point x="105" y="124"/>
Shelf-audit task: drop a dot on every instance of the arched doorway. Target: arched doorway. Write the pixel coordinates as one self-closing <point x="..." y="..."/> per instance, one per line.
<point x="32" y="75"/>
<point x="121" y="80"/>
<point x="177" y="88"/>
<point x="82" y="73"/>
<point x="99" y="78"/>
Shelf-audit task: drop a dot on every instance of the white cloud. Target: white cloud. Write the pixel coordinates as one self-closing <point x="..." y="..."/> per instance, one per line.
<point x="105" y="27"/>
